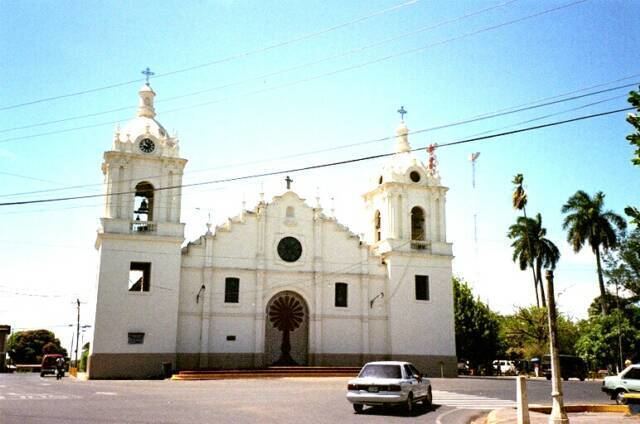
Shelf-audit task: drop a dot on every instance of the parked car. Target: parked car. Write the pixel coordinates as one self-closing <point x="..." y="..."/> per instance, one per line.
<point x="570" y="366"/>
<point x="48" y="365"/>
<point x="504" y="366"/>
<point x="386" y="383"/>
<point x="628" y="380"/>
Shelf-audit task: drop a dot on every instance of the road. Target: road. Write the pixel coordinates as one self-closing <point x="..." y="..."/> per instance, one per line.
<point x="29" y="399"/>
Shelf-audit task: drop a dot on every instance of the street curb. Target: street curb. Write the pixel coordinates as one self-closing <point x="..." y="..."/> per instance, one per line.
<point x="624" y="409"/>
<point x="494" y="418"/>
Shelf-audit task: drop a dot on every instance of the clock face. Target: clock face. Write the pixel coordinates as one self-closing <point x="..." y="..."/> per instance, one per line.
<point x="289" y="249"/>
<point x="147" y="146"/>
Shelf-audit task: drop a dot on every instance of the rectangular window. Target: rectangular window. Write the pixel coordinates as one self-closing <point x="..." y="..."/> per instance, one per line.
<point x="139" y="276"/>
<point x="341" y="295"/>
<point x="231" y="290"/>
<point x="136" y="338"/>
<point x="422" y="287"/>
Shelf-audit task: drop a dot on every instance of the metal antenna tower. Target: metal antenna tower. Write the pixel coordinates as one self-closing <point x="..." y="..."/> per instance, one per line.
<point x="473" y="157"/>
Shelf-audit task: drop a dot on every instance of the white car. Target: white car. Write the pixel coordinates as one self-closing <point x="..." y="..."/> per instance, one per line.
<point x="627" y="381"/>
<point x="389" y="383"/>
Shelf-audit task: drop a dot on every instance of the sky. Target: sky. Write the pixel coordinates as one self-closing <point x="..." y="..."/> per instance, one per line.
<point x="259" y="86"/>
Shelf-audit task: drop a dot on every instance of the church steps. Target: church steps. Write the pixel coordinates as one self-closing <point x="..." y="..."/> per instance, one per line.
<point x="271" y="372"/>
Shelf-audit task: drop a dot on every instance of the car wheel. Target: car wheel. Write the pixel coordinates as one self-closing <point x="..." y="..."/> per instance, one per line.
<point x="548" y="377"/>
<point x="409" y="404"/>
<point x="427" y="402"/>
<point x="358" y="408"/>
<point x="620" y="400"/>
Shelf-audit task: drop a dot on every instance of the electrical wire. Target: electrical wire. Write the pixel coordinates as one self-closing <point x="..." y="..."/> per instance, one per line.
<point x="324" y="165"/>
<point x="267" y="75"/>
<point x="315" y="77"/>
<point x="490" y="115"/>
<point x="218" y="61"/>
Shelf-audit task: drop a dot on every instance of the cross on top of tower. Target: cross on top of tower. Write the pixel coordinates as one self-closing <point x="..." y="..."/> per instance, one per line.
<point x="401" y="111"/>
<point x="147" y="73"/>
<point x="288" y="180"/>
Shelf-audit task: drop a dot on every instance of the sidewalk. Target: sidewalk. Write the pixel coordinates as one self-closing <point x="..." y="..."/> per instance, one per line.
<point x="509" y="416"/>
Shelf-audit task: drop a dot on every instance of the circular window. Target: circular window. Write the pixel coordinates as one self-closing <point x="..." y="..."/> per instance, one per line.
<point x="289" y="249"/>
<point x="415" y="176"/>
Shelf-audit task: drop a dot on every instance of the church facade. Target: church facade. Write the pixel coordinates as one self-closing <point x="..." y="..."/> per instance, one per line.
<point x="281" y="283"/>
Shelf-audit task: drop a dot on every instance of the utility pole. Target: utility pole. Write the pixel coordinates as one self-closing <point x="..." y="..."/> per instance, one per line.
<point x="473" y="157"/>
<point x="558" y="414"/>
<point x="77" y="331"/>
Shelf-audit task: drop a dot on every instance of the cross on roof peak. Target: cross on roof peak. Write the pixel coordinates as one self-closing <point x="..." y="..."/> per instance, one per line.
<point x="288" y="180"/>
<point x="147" y="73"/>
<point x="402" y="112"/>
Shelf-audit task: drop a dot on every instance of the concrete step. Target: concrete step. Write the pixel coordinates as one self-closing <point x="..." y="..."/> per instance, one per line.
<point x="271" y="372"/>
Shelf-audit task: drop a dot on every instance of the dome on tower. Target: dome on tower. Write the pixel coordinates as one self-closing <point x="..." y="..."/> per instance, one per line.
<point x="145" y="126"/>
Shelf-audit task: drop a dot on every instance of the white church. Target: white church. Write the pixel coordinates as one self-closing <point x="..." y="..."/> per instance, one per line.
<point x="282" y="283"/>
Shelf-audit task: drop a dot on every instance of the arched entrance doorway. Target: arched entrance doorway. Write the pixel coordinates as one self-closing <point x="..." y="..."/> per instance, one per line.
<point x="287" y="330"/>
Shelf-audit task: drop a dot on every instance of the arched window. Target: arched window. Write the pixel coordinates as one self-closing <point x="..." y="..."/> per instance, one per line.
<point x="143" y="202"/>
<point x="376" y="226"/>
<point x="417" y="224"/>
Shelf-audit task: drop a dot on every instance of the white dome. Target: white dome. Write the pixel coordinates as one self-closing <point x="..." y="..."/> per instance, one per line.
<point x="143" y="126"/>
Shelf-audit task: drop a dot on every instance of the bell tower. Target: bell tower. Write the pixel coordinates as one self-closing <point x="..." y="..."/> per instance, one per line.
<point x="406" y="206"/>
<point x="405" y="209"/>
<point x="139" y="244"/>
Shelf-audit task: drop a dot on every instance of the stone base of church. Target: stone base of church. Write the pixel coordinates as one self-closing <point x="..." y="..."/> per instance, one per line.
<point x="195" y="361"/>
<point x="431" y="365"/>
<point x="153" y="365"/>
<point x="129" y="365"/>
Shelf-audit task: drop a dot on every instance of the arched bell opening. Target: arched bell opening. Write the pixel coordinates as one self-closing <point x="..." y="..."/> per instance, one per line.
<point x="417" y="228"/>
<point x="143" y="202"/>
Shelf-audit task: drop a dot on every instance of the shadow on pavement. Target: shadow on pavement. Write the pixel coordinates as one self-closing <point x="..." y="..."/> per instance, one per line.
<point x="398" y="411"/>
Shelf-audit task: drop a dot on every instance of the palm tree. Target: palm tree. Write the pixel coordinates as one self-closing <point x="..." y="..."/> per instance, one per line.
<point x="588" y="223"/>
<point x="530" y="245"/>
<point x="519" y="202"/>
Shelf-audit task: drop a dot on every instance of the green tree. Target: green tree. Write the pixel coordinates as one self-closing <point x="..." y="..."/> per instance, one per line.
<point x="529" y="240"/>
<point x="477" y="327"/>
<point x="519" y="202"/>
<point x="634" y="120"/>
<point x="526" y="333"/>
<point x="84" y="357"/>
<point x="27" y="347"/>
<point x="586" y="222"/>
<point x="599" y="337"/>
<point x="622" y="268"/>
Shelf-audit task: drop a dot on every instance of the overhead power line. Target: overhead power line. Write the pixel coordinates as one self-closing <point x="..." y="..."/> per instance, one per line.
<point x="489" y="115"/>
<point x="222" y="60"/>
<point x="316" y="77"/>
<point x="324" y="165"/>
<point x="266" y="75"/>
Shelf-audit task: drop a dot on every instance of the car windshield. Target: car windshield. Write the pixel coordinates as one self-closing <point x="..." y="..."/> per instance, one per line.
<point x="381" y="371"/>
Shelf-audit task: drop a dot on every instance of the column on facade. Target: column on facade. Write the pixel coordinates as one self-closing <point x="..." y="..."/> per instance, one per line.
<point x="109" y="202"/>
<point x="364" y="304"/>
<point x="399" y="233"/>
<point x="207" y="282"/>
<point x="442" y="216"/>
<point x="260" y="312"/>
<point x="433" y="223"/>
<point x="170" y="197"/>
<point x="118" y="187"/>
<point x="126" y="200"/>
<point x="316" y="310"/>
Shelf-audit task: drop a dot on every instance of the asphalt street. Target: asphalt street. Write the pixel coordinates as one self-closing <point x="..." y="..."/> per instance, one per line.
<point x="30" y="399"/>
